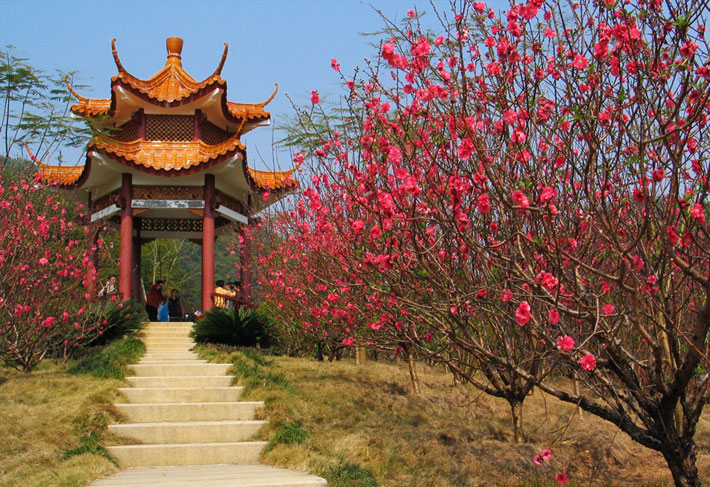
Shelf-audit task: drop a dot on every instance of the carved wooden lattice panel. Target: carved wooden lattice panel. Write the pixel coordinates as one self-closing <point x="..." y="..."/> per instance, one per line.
<point x="126" y="133"/>
<point x="167" y="193"/>
<point x="211" y="134"/>
<point x="168" y="127"/>
<point x="169" y="225"/>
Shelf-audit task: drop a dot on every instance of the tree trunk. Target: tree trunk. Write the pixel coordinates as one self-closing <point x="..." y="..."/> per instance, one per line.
<point x="516" y="407"/>
<point x="683" y="467"/>
<point x="413" y="373"/>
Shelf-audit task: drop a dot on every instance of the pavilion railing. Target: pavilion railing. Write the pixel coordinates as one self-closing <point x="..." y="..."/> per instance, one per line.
<point x="230" y="301"/>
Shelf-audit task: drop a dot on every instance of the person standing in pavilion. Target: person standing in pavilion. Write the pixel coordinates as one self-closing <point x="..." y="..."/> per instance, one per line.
<point x="154" y="299"/>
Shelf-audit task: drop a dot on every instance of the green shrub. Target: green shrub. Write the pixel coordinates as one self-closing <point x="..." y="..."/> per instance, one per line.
<point x="288" y="434"/>
<point x="241" y="328"/>
<point x="108" y="321"/>
<point x="90" y="443"/>
<point x="110" y="361"/>
<point x="347" y="474"/>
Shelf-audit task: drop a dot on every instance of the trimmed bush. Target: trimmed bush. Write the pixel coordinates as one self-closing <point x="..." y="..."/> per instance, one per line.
<point x="227" y="326"/>
<point x="108" y="321"/>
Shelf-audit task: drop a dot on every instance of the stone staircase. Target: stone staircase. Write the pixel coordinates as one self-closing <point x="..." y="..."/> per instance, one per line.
<point x="187" y="422"/>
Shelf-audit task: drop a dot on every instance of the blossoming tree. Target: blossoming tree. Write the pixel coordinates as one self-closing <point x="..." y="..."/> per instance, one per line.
<point x="530" y="187"/>
<point x="43" y="262"/>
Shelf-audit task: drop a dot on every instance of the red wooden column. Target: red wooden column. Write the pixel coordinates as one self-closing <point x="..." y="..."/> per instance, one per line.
<point x="125" y="283"/>
<point x="136" y="293"/>
<point x="245" y="263"/>
<point x="208" y="243"/>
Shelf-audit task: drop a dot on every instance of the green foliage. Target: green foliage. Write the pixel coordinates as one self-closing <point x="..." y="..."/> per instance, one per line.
<point x="242" y="328"/>
<point x="90" y="443"/>
<point x="110" y="361"/>
<point x="346" y="474"/>
<point x="109" y="321"/>
<point x="36" y="110"/>
<point x="287" y="434"/>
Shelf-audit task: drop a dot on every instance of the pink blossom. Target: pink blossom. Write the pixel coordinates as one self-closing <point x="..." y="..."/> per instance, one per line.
<point x="465" y="149"/>
<point x="561" y="478"/>
<point x="520" y="199"/>
<point x="43" y="261"/>
<point x="608" y="309"/>
<point x="480" y="7"/>
<point x="411" y="13"/>
<point x="314" y="97"/>
<point x="357" y="226"/>
<point x="506" y="295"/>
<point x="548" y="194"/>
<point x="348" y="342"/>
<point x="688" y="49"/>
<point x="483" y="203"/>
<point x="588" y="362"/>
<point x="565" y="343"/>
<point x="546" y="454"/>
<point x="335" y="64"/>
<point x="553" y="316"/>
<point x="522" y="314"/>
<point x="697" y="213"/>
<point x="375" y="232"/>
<point x="580" y="62"/>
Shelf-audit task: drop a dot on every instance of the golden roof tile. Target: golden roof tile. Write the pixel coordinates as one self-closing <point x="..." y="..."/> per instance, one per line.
<point x="60" y="175"/>
<point x="274" y="180"/>
<point x="172" y="83"/>
<point x="167" y="156"/>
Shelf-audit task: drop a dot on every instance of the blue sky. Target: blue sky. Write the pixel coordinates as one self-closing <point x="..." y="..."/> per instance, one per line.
<point x="290" y="42"/>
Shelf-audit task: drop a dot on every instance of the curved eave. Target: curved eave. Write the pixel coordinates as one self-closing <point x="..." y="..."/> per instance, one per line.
<point x="271" y="181"/>
<point x="161" y="158"/>
<point x="234" y="113"/>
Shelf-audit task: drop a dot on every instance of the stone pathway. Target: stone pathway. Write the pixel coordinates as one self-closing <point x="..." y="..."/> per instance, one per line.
<point x="189" y="427"/>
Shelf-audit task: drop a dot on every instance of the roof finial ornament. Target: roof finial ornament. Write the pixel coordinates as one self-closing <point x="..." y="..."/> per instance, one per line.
<point x="115" y="56"/>
<point x="218" y="71"/>
<point x="174" y="45"/>
<point x="264" y="103"/>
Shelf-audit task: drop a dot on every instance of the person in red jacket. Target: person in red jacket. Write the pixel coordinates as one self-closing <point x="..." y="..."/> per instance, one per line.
<point x="154" y="299"/>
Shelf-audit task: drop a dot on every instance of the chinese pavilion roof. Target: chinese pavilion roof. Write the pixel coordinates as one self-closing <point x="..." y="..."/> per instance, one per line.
<point x="169" y="125"/>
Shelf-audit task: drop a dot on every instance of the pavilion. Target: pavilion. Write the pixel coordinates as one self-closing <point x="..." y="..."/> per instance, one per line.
<point x="167" y="162"/>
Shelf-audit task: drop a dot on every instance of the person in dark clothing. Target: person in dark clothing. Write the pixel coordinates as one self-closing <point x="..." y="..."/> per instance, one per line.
<point x="174" y="306"/>
<point x="154" y="299"/>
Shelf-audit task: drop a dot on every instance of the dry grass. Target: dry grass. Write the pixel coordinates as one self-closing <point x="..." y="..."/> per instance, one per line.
<point x="43" y="415"/>
<point x="366" y="418"/>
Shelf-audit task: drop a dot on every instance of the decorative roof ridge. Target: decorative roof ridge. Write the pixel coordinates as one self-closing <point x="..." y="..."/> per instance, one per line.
<point x="218" y="71"/>
<point x="264" y="103"/>
<point x="120" y="67"/>
<point x="77" y="95"/>
<point x="61" y="175"/>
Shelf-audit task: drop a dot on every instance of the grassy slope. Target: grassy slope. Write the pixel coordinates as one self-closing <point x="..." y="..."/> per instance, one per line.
<point x="361" y="419"/>
<point x="356" y="426"/>
<point x="52" y="422"/>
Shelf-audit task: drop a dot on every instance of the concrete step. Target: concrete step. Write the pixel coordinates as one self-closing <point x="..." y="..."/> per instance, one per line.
<point x="189" y="411"/>
<point x="188" y="432"/>
<point x="168" y="361"/>
<point x="170" y="354"/>
<point x="174" y="381"/>
<point x="180" y="370"/>
<point x="178" y="340"/>
<point x="166" y="330"/>
<point x="210" y="476"/>
<point x="168" y="347"/>
<point x="154" y="395"/>
<point x="187" y="453"/>
<point x="161" y="324"/>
